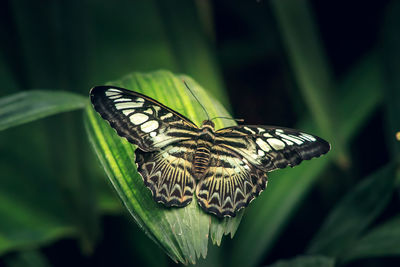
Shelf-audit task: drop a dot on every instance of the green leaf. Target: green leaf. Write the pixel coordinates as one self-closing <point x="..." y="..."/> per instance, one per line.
<point x="306" y="261"/>
<point x="381" y="241"/>
<point x="181" y="232"/>
<point x="354" y="213"/>
<point x="29" y="106"/>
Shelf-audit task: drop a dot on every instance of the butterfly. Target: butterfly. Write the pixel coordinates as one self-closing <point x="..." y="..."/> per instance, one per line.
<point x="225" y="168"/>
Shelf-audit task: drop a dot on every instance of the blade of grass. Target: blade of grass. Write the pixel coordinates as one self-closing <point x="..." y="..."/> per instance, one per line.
<point x="381" y="241"/>
<point x="182" y="233"/>
<point x="267" y="215"/>
<point x="29" y="106"/>
<point x="354" y="213"/>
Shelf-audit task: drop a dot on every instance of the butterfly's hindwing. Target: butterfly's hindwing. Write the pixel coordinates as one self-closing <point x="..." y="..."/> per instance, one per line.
<point x="141" y="120"/>
<point x="269" y="148"/>
<point x="230" y="183"/>
<point x="168" y="173"/>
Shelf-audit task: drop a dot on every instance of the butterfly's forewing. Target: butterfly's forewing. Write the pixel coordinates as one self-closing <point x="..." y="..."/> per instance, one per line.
<point x="269" y="148"/>
<point x="230" y="183"/>
<point x="143" y="121"/>
<point x="164" y="137"/>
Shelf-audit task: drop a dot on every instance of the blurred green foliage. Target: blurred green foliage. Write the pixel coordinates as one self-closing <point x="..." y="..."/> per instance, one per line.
<point x="56" y="205"/>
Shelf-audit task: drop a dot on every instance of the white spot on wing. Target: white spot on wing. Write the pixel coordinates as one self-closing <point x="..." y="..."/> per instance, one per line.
<point x="260" y="130"/>
<point x="128" y="111"/>
<point x="139" y="99"/>
<point x="149" y="126"/>
<point x="276" y="143"/>
<point x="261" y="153"/>
<point x="138" y="118"/>
<point x="148" y="111"/>
<point x="122" y="100"/>
<point x="166" y="116"/>
<point x="153" y="134"/>
<point x="263" y="145"/>
<point x="267" y="135"/>
<point x="249" y="130"/>
<point x="308" y="137"/>
<point x="128" y="105"/>
<point x="156" y="108"/>
<point x="291" y="138"/>
<point x="111" y="93"/>
<point x="113" y="90"/>
<point x="287" y="142"/>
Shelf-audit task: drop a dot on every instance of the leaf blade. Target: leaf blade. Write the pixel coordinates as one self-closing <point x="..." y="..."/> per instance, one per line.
<point x="354" y="213"/>
<point x="381" y="241"/>
<point x="28" y="106"/>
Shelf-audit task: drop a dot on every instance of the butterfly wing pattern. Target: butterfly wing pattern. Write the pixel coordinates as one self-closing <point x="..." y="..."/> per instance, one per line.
<point x="226" y="168"/>
<point x="164" y="139"/>
<point x="242" y="155"/>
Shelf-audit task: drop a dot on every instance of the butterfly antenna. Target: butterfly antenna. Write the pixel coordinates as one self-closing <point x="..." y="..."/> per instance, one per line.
<point x="205" y="111"/>
<point x="227" y="118"/>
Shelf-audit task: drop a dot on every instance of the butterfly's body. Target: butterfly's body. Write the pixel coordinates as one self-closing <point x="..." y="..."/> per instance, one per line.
<point x="205" y="142"/>
<point x="226" y="168"/>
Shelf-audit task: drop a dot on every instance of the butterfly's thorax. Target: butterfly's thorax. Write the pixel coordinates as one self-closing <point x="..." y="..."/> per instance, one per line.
<point x="204" y="144"/>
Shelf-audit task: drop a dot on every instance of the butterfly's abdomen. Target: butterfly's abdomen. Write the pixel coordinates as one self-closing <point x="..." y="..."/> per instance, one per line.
<point x="201" y="158"/>
<point x="202" y="155"/>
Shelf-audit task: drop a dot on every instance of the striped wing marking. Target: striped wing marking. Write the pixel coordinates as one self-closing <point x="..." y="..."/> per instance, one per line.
<point x="142" y="120"/>
<point x="240" y="159"/>
<point x="168" y="173"/>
